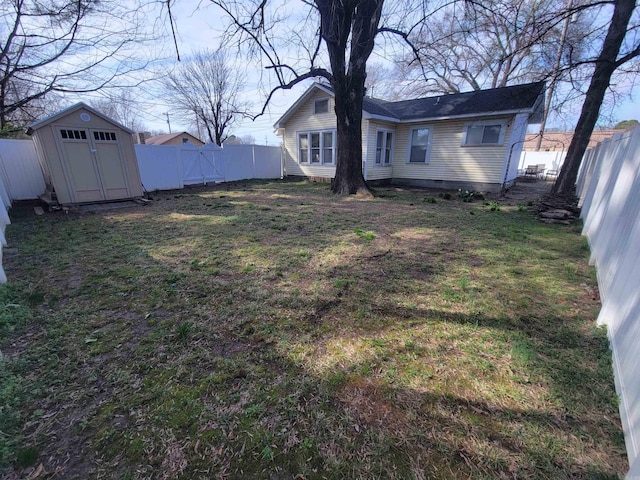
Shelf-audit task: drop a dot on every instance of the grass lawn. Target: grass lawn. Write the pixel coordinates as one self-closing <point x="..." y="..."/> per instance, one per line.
<point x="272" y="330"/>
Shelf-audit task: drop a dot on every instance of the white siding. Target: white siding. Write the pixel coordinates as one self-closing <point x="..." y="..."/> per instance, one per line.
<point x="449" y="160"/>
<point x="304" y="120"/>
<point x="516" y="141"/>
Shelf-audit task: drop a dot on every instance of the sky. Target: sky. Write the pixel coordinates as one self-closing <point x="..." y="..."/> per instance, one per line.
<point x="200" y="26"/>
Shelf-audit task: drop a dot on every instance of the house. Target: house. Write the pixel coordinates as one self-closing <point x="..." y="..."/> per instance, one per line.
<point x="85" y="157"/>
<point x="465" y="140"/>
<point x="559" y="141"/>
<point x="179" y="138"/>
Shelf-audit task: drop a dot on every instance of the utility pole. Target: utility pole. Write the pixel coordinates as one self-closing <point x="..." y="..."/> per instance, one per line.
<point x="168" y="122"/>
<point x="554" y="78"/>
<point x="198" y="124"/>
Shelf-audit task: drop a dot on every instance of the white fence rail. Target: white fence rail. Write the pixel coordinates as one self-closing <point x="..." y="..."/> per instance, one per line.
<point x="609" y="190"/>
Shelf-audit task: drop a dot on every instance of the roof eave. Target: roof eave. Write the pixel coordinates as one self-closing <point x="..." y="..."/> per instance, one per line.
<point x="467" y="115"/>
<point x="71" y="109"/>
<point x="372" y="116"/>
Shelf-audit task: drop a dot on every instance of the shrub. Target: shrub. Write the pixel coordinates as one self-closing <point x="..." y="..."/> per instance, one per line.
<point x="469" y="195"/>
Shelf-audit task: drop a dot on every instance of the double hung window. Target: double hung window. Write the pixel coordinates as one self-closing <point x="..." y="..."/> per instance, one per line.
<point x="384" y="143"/>
<point x="420" y="145"/>
<point x="317" y="148"/>
<point x="484" y="133"/>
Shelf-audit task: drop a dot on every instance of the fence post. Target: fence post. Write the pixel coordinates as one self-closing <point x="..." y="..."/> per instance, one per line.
<point x="253" y="160"/>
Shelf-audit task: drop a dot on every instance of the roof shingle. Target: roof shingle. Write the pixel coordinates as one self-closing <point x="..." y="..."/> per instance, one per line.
<point x="516" y="97"/>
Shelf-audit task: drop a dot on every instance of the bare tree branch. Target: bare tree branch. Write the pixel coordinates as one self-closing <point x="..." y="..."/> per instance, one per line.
<point x="208" y="88"/>
<point x="63" y="46"/>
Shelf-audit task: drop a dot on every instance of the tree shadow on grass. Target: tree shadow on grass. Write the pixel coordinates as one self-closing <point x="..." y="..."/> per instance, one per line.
<point x="291" y="367"/>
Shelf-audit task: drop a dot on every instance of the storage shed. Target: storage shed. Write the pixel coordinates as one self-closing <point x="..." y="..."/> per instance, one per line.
<point x="86" y="156"/>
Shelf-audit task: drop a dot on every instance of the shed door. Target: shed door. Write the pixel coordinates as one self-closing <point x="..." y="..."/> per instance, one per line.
<point x="110" y="164"/>
<point x="95" y="165"/>
<point x="83" y="176"/>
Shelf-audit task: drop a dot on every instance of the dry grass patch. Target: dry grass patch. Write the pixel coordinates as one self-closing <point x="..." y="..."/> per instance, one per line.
<point x="273" y="330"/>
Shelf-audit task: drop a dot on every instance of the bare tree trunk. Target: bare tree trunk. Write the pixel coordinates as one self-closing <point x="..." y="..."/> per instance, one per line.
<point x="342" y="22"/>
<point x="606" y="64"/>
<point x="349" y="98"/>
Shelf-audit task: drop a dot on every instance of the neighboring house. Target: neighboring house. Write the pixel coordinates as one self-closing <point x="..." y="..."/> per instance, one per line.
<point x="465" y="140"/>
<point x="179" y="138"/>
<point x="559" y="141"/>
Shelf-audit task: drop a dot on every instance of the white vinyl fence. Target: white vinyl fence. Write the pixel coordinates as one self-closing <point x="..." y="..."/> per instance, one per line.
<point x="170" y="167"/>
<point x="20" y="179"/>
<point x="609" y="190"/>
<point x="20" y="169"/>
<point x="5" y="203"/>
<point x="551" y="160"/>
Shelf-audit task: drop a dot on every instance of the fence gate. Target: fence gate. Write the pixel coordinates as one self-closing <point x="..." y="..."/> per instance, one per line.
<point x="202" y="165"/>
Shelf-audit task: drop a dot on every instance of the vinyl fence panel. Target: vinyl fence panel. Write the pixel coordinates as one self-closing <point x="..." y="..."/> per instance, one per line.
<point x="268" y="162"/>
<point x="160" y="167"/>
<point x="609" y="189"/>
<point x="20" y="169"/>
<point x="239" y="161"/>
<point x="551" y="160"/>
<point x="202" y="165"/>
<point x="252" y="161"/>
<point x="5" y="203"/>
<point x="171" y="167"/>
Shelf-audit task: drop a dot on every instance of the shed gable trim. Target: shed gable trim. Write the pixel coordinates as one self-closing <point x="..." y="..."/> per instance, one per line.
<point x="70" y="110"/>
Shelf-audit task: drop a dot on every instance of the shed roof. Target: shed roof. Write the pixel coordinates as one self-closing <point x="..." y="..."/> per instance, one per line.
<point x="62" y="113"/>
<point x="527" y="97"/>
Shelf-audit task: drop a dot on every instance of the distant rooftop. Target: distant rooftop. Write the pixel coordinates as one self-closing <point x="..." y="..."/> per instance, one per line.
<point x="559" y="141"/>
<point x="167" y="137"/>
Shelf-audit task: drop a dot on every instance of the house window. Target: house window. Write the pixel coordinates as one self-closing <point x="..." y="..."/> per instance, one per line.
<point x="303" y="147"/>
<point x="384" y="141"/>
<point x="420" y="145"/>
<point x="321" y="106"/>
<point x="317" y="147"/>
<point x="484" y="133"/>
<point x="327" y="147"/>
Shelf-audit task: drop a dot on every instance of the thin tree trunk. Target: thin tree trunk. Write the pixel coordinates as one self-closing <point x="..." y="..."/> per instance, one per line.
<point x="605" y="66"/>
